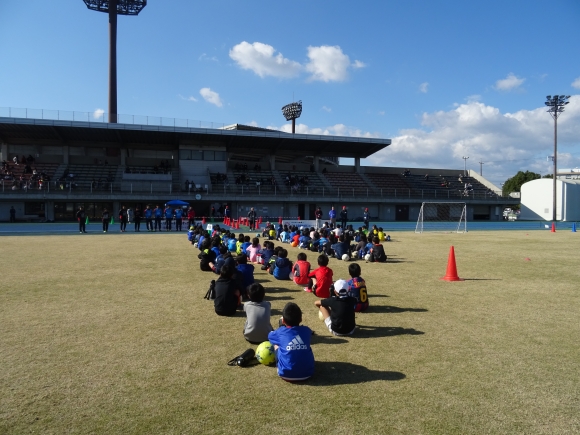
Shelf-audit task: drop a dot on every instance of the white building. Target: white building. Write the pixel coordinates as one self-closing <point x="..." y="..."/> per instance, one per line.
<point x="536" y="200"/>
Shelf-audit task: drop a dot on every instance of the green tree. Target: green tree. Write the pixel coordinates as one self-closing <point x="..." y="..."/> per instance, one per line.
<point x="514" y="183"/>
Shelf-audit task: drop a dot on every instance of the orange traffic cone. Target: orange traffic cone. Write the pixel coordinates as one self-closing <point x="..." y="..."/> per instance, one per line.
<point x="553" y="230"/>
<point x="451" y="274"/>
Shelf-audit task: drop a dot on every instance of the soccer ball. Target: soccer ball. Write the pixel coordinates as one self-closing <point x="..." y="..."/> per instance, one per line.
<point x="195" y="245"/>
<point x="265" y="353"/>
<point x="367" y="257"/>
<point x="258" y="235"/>
<point x="345" y="257"/>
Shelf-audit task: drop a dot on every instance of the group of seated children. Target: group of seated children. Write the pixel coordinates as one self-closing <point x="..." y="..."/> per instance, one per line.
<point x="337" y="304"/>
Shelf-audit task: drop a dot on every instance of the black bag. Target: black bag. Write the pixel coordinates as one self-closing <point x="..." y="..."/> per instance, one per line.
<point x="210" y="295"/>
<point x="244" y="359"/>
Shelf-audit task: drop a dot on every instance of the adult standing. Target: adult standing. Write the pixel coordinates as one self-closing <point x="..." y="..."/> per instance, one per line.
<point x="149" y="218"/>
<point x="332" y="216"/>
<point x="227" y="211"/>
<point x="366" y="218"/>
<point x="158" y="214"/>
<point x="137" y="218"/>
<point x="123" y="219"/>
<point x="105" y="218"/>
<point x="168" y="217"/>
<point x="343" y="216"/>
<point x="12" y="214"/>
<point x="81" y="218"/>
<point x="191" y="217"/>
<point x="178" y="218"/>
<point x="318" y="216"/>
<point x="252" y="218"/>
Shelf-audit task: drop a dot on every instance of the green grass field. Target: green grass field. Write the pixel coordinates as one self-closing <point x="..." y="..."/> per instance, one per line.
<point x="111" y="334"/>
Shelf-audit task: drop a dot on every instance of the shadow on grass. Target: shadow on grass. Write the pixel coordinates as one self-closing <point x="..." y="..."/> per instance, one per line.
<point x="278" y="290"/>
<point x="383" y="331"/>
<point x="391" y="309"/>
<point x="278" y="298"/>
<point x="342" y="373"/>
<point x="326" y="339"/>
<point x="481" y="279"/>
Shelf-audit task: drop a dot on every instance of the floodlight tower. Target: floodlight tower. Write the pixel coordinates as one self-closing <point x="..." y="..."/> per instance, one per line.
<point x="556" y="106"/>
<point x="291" y="112"/>
<point x="114" y="8"/>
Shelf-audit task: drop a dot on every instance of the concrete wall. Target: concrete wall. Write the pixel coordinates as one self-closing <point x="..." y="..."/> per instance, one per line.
<point x="537" y="200"/>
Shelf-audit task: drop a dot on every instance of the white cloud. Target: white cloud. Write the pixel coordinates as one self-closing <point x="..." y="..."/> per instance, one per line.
<point x="211" y="96"/>
<point x="326" y="109"/>
<point x="505" y="142"/>
<point x="98" y="113"/>
<point x="333" y="130"/>
<point x="204" y="56"/>
<point x="190" y="98"/>
<point x="358" y="64"/>
<point x="510" y="83"/>
<point x="423" y="87"/>
<point x="261" y="59"/>
<point x="576" y="83"/>
<point x="327" y="63"/>
<point x="473" y="98"/>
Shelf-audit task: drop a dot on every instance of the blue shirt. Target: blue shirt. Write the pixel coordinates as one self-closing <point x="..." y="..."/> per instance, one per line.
<point x="244" y="246"/>
<point x="282" y="268"/>
<point x="148" y="213"/>
<point x="294" y="357"/>
<point x="168" y="213"/>
<point x="158" y="212"/>
<point x="232" y="245"/>
<point x="247" y="271"/>
<point x="178" y="213"/>
<point x="332" y="214"/>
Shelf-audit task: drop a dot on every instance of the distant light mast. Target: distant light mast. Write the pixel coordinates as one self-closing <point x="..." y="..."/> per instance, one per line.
<point x="291" y="112"/>
<point x="556" y="106"/>
<point x="114" y="8"/>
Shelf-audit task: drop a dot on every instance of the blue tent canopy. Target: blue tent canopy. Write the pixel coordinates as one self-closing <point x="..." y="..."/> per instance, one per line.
<point x="177" y="202"/>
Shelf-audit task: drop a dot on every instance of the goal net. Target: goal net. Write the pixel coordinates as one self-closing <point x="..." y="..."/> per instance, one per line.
<point x="442" y="217"/>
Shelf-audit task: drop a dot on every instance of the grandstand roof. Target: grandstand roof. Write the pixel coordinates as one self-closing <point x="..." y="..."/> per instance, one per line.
<point x="252" y="141"/>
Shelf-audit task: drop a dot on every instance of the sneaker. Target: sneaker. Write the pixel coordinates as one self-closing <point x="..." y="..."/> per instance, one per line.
<point x="306" y="289"/>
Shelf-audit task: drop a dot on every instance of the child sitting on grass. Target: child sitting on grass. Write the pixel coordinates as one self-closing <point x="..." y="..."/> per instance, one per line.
<point x="257" y="326"/>
<point x="253" y="249"/>
<point x="300" y="270"/>
<point x="357" y="288"/>
<point x="338" y="311"/>
<point x="378" y="252"/>
<point x="294" y="357"/>
<point x="227" y="293"/>
<point x="246" y="271"/>
<point x="282" y="266"/>
<point x="320" y="279"/>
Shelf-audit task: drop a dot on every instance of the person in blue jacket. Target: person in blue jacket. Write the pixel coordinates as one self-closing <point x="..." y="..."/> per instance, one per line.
<point x="178" y="218"/>
<point x="168" y="218"/>
<point x="148" y="214"/>
<point x="294" y="356"/>
<point x="282" y="266"/>
<point x="158" y="215"/>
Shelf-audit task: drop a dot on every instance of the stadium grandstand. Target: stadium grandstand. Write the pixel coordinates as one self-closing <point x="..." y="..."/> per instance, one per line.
<point x="51" y="165"/>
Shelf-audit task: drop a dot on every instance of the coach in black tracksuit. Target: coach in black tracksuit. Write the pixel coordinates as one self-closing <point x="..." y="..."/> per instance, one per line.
<point x="343" y="217"/>
<point x="81" y="218"/>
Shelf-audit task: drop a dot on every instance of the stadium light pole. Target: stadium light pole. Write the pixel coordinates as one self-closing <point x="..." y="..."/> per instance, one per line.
<point x="465" y="166"/>
<point x="481" y="168"/>
<point x="291" y="112"/>
<point x="556" y="105"/>
<point x="114" y="8"/>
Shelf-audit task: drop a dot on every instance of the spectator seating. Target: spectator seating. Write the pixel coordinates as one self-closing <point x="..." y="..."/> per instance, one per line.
<point x="389" y="184"/>
<point x="349" y="183"/>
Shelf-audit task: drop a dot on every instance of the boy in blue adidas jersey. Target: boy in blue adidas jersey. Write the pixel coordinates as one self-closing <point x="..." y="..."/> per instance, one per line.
<point x="294" y="357"/>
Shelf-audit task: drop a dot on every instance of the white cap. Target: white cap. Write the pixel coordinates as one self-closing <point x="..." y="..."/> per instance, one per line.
<point x="341" y="287"/>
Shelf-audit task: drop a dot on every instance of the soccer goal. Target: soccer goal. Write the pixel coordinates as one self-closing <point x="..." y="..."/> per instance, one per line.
<point x="442" y="217"/>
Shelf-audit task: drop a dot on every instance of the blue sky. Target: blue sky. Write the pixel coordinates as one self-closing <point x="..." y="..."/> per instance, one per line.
<point x="442" y="79"/>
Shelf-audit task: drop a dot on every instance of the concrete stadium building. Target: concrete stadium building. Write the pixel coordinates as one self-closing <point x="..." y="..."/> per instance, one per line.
<point x="537" y="198"/>
<point x="82" y="162"/>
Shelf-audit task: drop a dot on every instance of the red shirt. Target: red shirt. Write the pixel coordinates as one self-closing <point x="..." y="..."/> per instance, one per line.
<point x="300" y="271"/>
<point x="323" y="277"/>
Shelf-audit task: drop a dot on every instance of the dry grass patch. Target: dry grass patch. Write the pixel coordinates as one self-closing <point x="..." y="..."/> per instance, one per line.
<point x="111" y="334"/>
